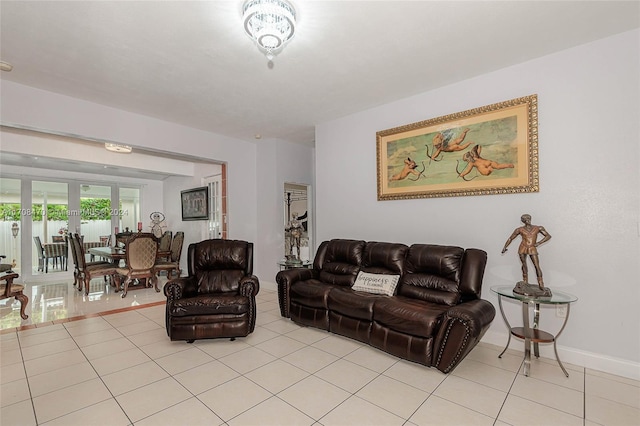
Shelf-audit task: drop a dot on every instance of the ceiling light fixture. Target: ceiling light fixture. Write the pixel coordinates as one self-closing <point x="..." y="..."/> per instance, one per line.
<point x="270" y="23"/>
<point x="116" y="147"/>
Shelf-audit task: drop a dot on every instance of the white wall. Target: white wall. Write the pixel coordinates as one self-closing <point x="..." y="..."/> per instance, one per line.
<point x="196" y="230"/>
<point x="589" y="136"/>
<point x="280" y="162"/>
<point x="35" y="108"/>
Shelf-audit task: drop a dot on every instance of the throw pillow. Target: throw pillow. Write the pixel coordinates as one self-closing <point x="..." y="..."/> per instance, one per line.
<point x="376" y="283"/>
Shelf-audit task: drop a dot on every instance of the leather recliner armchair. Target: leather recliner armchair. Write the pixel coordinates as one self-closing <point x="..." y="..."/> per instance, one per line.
<point x="218" y="297"/>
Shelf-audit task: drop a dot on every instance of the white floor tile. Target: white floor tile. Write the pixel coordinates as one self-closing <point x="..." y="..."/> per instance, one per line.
<point x="103" y="413"/>
<point x="134" y="377"/>
<point x="310" y="359"/>
<point x="416" y="375"/>
<point x="438" y="411"/>
<point x="607" y="412"/>
<point x="392" y="395"/>
<point x="112" y="347"/>
<point x="612" y="390"/>
<point x="357" y="411"/>
<point x="18" y="414"/>
<point x="52" y="362"/>
<point x="64" y="401"/>
<point x="184" y="360"/>
<point x="371" y="358"/>
<point x="234" y="397"/>
<point x="475" y="396"/>
<point x="120" y="361"/>
<point x="50" y="348"/>
<point x="280" y="346"/>
<point x="247" y="360"/>
<point x="549" y="394"/>
<point x="276" y="376"/>
<point x="153" y="398"/>
<point x="191" y="412"/>
<point x="346" y="375"/>
<point x="314" y="396"/>
<point x="216" y="374"/>
<point x="272" y="412"/>
<point x="15" y="391"/>
<point x="61" y="378"/>
<point x="518" y="411"/>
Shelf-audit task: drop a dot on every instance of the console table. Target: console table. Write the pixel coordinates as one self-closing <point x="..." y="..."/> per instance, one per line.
<point x="531" y="333"/>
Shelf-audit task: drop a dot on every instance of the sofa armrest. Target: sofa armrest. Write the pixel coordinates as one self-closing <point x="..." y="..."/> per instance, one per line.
<point x="249" y="286"/>
<point x="180" y="287"/>
<point x="462" y="328"/>
<point x="285" y="279"/>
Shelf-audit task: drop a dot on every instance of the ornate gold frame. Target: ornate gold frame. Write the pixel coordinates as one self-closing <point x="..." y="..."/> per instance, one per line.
<point x="497" y="154"/>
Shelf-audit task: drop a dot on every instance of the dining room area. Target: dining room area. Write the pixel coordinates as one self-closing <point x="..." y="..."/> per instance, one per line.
<point x="100" y="279"/>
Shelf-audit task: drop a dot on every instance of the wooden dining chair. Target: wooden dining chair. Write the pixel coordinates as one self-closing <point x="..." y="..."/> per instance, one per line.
<point x="86" y="272"/>
<point x="10" y="289"/>
<point x="141" y="251"/>
<point x="77" y="276"/>
<point x="173" y="264"/>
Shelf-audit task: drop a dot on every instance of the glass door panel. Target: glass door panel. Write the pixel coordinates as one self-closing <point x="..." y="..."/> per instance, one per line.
<point x="10" y="214"/>
<point x="49" y="226"/>
<point x="95" y="214"/>
<point x="129" y="210"/>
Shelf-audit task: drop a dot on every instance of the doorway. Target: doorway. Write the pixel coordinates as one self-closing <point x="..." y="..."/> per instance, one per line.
<point x="298" y="222"/>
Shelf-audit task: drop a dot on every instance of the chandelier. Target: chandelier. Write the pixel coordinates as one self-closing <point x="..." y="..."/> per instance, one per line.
<point x="116" y="147"/>
<point x="270" y="23"/>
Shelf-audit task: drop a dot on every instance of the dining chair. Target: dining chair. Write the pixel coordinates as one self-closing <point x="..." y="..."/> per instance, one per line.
<point x="173" y="264"/>
<point x="141" y="250"/>
<point x="43" y="264"/>
<point x="71" y="242"/>
<point x="88" y="271"/>
<point x="164" y="244"/>
<point x="10" y="289"/>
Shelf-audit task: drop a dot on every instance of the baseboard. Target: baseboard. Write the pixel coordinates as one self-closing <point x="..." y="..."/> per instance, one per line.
<point x="595" y="361"/>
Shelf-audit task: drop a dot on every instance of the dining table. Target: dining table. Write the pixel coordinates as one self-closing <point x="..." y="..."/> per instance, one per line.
<point x="116" y="254"/>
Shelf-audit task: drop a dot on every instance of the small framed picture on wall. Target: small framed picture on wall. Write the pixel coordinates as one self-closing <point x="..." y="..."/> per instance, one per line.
<point x="195" y="203"/>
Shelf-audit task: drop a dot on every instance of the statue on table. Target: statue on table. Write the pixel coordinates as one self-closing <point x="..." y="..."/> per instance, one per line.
<point x="295" y="229"/>
<point x="529" y="247"/>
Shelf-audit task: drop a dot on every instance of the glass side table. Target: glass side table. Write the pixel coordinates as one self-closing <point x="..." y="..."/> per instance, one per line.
<point x="531" y="333"/>
<point x="305" y="264"/>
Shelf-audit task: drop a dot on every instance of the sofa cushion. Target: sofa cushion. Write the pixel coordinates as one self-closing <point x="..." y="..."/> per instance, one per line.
<point x="384" y="258"/>
<point x="312" y="293"/>
<point x="352" y="303"/>
<point x="410" y="316"/>
<point x="433" y="273"/>
<point x="339" y="261"/>
<point x="210" y="304"/>
<point x="376" y="283"/>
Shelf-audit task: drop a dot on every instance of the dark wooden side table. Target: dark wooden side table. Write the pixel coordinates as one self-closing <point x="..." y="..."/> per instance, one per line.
<point x="531" y="333"/>
<point x="10" y="289"/>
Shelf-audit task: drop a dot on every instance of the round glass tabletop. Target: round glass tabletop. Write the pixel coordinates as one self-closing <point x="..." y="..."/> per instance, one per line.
<point x="556" y="296"/>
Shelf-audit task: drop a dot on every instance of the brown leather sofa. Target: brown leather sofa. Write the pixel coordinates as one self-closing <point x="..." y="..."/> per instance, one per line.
<point x="434" y="318"/>
<point x="218" y="297"/>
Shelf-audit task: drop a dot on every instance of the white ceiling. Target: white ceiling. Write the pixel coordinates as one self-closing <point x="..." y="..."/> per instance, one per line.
<point x="191" y="63"/>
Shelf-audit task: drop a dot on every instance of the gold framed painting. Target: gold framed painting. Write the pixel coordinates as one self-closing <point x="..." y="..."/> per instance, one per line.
<point x="482" y="151"/>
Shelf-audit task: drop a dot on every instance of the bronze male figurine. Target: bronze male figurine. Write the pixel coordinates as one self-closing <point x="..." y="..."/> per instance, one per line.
<point x="529" y="247"/>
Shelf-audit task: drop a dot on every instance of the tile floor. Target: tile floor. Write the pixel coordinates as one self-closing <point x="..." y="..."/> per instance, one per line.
<point x="121" y="369"/>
